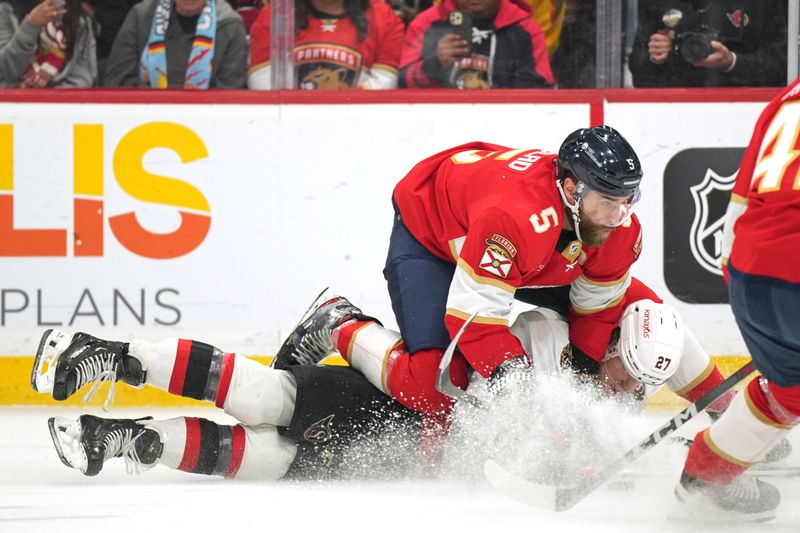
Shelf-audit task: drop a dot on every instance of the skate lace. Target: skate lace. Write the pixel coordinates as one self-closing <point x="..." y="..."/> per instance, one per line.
<point x="96" y="370"/>
<point x="123" y="442"/>
<point x="314" y="347"/>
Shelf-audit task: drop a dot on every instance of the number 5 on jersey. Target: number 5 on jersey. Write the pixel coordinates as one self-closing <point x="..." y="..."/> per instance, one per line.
<point x="544" y="220"/>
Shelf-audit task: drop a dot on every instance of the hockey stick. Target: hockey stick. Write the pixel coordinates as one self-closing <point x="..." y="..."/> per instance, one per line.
<point x="443" y="382"/>
<point x="566" y="498"/>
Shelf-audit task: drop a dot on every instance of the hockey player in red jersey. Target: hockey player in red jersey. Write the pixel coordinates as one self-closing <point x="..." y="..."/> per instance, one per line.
<point x="312" y="421"/>
<point x="478" y="226"/>
<point x="761" y="259"/>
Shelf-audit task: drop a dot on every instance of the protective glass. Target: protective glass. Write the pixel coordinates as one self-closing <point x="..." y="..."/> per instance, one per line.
<point x="606" y="210"/>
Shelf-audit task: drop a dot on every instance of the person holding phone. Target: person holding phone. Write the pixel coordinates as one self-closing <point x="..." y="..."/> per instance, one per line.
<point x="475" y="44"/>
<point x="47" y="43"/>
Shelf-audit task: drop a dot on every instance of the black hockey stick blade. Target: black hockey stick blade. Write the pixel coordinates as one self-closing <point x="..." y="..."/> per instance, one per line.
<point x="443" y="382"/>
<point x="567" y="498"/>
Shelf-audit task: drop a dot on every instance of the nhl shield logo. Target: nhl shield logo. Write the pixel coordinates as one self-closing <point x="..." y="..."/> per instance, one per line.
<point x="705" y="235"/>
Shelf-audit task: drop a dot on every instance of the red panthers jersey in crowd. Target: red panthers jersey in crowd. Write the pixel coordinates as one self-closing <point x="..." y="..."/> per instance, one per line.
<point x="328" y="54"/>
<point x="497" y="213"/>
<point x="763" y="218"/>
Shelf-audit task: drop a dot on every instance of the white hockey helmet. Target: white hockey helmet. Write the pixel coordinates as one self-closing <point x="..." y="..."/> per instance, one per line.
<point x="651" y="341"/>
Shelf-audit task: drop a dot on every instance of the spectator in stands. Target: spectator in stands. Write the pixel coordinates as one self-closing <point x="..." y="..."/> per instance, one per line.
<point x="108" y="16"/>
<point x="248" y="10"/>
<point x="710" y="43"/>
<point x="549" y="14"/>
<point x="339" y="44"/>
<point x="192" y="44"/>
<point x="574" y="59"/>
<point x="46" y="43"/>
<point x="506" y="48"/>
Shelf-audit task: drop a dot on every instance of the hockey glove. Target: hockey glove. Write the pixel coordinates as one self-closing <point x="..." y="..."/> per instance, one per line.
<point x="511" y="374"/>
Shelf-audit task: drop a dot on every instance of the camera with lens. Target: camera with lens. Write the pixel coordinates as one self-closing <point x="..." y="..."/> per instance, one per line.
<point x="695" y="46"/>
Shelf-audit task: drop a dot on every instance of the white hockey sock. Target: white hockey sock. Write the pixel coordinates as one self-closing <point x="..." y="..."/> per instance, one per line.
<point x="743" y="433"/>
<point x="367" y="347"/>
<point x="203" y="447"/>
<point x="249" y="391"/>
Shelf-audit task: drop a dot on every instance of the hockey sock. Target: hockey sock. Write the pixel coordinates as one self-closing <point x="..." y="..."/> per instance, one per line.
<point x="247" y="390"/>
<point x="201" y="446"/>
<point x="742" y="436"/>
<point x="368" y="347"/>
<point x="697" y="375"/>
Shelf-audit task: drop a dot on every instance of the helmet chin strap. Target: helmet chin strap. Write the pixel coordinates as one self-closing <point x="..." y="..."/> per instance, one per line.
<point x="574" y="209"/>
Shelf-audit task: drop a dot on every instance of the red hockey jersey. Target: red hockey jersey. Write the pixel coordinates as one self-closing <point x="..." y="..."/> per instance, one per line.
<point x="496" y="212"/>
<point x="762" y="225"/>
<point x="328" y="54"/>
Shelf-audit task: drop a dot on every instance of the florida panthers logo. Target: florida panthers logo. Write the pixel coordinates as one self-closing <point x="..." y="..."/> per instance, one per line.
<point x="705" y="236"/>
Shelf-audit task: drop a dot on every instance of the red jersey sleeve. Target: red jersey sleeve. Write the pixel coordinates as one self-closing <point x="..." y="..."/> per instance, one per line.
<point x="597" y="296"/>
<point x="487" y="275"/>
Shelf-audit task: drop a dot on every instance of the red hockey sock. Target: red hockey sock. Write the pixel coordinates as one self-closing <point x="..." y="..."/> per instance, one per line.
<point x="708" y="463"/>
<point x="212" y="449"/>
<point x="202" y="372"/>
<point x="411" y="379"/>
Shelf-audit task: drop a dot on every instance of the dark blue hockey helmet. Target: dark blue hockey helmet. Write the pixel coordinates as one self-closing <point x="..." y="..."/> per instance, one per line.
<point x="602" y="159"/>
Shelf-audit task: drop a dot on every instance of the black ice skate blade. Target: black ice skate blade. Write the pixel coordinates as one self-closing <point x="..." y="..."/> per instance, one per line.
<point x="51" y="424"/>
<point x="39" y="353"/>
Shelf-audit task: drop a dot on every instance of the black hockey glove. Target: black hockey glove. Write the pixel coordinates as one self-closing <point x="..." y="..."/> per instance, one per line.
<point x="510" y="374"/>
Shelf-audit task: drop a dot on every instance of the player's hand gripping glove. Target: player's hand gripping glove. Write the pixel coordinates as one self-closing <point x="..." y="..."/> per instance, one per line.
<point x="513" y="373"/>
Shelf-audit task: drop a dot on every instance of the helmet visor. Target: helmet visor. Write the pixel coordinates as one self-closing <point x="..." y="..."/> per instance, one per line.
<point x="606" y="210"/>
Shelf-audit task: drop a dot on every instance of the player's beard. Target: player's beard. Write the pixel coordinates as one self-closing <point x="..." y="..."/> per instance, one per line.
<point x="593" y="234"/>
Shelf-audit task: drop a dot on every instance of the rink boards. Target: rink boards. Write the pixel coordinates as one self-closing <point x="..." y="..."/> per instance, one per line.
<point x="168" y="216"/>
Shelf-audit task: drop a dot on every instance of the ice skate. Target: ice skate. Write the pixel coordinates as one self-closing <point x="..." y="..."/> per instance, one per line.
<point x="66" y="362"/>
<point x="311" y="342"/>
<point x="87" y="443"/>
<point x="746" y="496"/>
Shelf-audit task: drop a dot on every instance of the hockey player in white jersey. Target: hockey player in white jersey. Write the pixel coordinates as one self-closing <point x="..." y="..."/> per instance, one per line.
<point x="307" y="420"/>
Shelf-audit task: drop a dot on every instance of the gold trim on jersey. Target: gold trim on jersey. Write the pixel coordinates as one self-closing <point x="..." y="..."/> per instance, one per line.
<point x="387" y="68"/>
<point x="258" y="66"/>
<point x="698" y="380"/>
<point x="454" y="246"/>
<point x="595" y="310"/>
<point x="738" y="199"/>
<point x="606" y="283"/>
<point x="478" y="319"/>
<point x="483" y="280"/>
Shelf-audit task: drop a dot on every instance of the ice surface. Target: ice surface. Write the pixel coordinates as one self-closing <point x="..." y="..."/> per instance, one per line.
<point x="38" y="493"/>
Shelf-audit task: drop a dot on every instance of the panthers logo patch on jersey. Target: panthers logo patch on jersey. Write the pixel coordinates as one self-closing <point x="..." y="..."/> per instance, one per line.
<point x="496" y="261"/>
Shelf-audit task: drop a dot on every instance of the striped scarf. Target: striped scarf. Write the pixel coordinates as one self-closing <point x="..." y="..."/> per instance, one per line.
<point x="153" y="63"/>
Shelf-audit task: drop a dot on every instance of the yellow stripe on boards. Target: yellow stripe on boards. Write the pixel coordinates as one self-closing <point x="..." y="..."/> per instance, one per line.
<point x="15" y="388"/>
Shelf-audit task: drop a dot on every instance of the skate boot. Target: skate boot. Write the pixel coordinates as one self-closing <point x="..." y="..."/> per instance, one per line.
<point x="746" y="496"/>
<point x="87" y="443"/>
<point x="66" y="362"/>
<point x="310" y="342"/>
